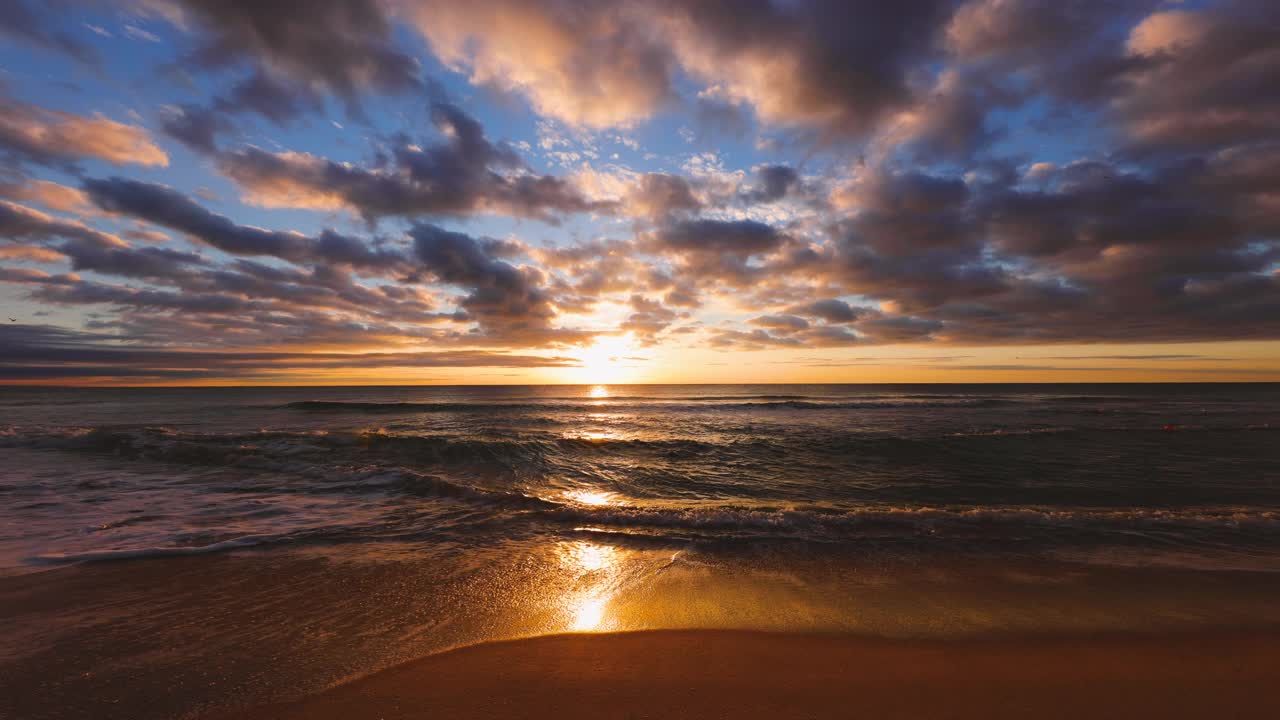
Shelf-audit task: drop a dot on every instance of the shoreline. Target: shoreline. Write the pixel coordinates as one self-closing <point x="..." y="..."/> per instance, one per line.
<point x="759" y="674"/>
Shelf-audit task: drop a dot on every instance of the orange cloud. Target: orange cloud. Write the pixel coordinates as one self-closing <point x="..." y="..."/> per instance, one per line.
<point x="598" y="68"/>
<point x="43" y="135"/>
<point x="30" y="253"/>
<point x="51" y="195"/>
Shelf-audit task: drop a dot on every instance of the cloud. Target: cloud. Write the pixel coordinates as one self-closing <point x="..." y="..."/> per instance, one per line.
<point x="773" y="183"/>
<point x="739" y="238"/>
<point x="463" y="174"/>
<point x="1202" y="77"/>
<point x="21" y="223"/>
<point x="52" y="195"/>
<point x="169" y="208"/>
<point x="710" y="251"/>
<point x="831" y="310"/>
<point x="137" y="33"/>
<point x="582" y="63"/>
<point x="503" y="299"/>
<point x="196" y="127"/>
<point x="37" y="135"/>
<point x="194" y="302"/>
<point x="658" y="195"/>
<point x="30" y="253"/>
<point x="649" y="319"/>
<point x="199" y="127"/>
<point x="269" y="97"/>
<point x="143" y="263"/>
<point x="781" y="323"/>
<point x="834" y="66"/>
<point x="343" y="47"/>
<point x="1129" y="357"/>
<point x="36" y="352"/>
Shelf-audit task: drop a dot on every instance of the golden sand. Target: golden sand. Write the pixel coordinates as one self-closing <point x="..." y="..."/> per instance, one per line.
<point x="732" y="674"/>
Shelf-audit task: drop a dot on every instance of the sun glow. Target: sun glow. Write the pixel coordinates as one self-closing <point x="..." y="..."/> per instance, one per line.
<point x="605" y="361"/>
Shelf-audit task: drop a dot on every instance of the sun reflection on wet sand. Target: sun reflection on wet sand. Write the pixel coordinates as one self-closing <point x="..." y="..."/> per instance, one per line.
<point x="589" y="614"/>
<point x="597" y="567"/>
<point x="589" y="556"/>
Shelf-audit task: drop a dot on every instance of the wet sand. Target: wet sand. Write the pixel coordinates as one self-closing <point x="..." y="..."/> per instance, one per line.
<point x="738" y="674"/>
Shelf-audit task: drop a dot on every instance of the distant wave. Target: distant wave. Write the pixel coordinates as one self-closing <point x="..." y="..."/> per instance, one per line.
<point x="703" y="404"/>
<point x="334" y="406"/>
<point x="172" y="445"/>
<point x="283" y="450"/>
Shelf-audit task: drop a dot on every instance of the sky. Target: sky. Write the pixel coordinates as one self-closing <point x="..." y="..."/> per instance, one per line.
<point x="650" y="191"/>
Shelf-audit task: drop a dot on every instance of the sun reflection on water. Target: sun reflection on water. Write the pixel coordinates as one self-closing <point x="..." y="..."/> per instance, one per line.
<point x="600" y="391"/>
<point x="592" y="497"/>
<point x="598" y="435"/>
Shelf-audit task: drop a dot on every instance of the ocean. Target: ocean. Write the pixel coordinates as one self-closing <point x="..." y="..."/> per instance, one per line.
<point x="206" y="547"/>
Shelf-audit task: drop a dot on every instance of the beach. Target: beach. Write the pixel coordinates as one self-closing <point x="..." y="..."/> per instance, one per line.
<point x="727" y="674"/>
<point x="267" y="634"/>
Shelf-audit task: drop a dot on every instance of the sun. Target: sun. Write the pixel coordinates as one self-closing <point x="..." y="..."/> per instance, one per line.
<point x="605" y="360"/>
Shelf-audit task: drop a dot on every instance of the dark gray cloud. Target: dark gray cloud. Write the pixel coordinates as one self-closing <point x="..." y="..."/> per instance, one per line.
<point x="462" y="175"/>
<point x="169" y="208"/>
<point x="146" y="262"/>
<point x="339" y="46"/>
<point x="831" y="310"/>
<point x="739" y="238"/>
<point x="86" y="292"/>
<point x="1201" y="78"/>
<point x="845" y="64"/>
<point x="781" y="323"/>
<point x="196" y="127"/>
<point x="716" y="251"/>
<point x="200" y="127"/>
<point x="273" y="99"/>
<point x="659" y="195"/>
<point x="506" y="301"/>
<point x="773" y="182"/>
